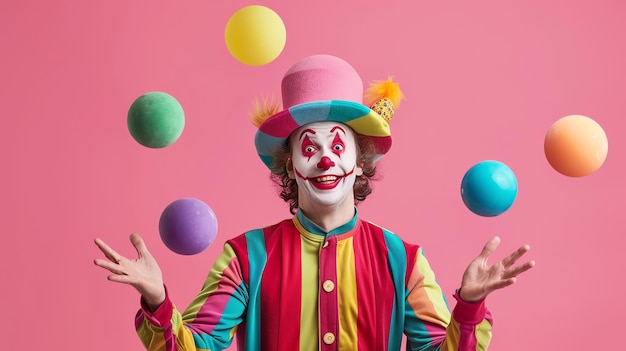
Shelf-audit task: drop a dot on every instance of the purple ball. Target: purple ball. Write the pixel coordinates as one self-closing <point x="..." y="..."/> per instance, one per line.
<point x="188" y="226"/>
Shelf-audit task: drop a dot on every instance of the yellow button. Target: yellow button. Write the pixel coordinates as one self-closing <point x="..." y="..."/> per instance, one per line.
<point x="329" y="338"/>
<point x="328" y="286"/>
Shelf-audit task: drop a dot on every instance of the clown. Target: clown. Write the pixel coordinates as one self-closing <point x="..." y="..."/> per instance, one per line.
<point x="324" y="279"/>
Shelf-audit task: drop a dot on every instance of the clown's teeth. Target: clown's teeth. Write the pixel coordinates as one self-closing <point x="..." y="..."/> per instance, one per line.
<point x="326" y="179"/>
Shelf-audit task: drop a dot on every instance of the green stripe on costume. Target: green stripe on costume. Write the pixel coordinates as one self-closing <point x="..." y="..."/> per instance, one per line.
<point x="257" y="257"/>
<point x="397" y="263"/>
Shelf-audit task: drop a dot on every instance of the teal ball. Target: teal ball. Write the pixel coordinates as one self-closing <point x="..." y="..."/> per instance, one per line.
<point x="489" y="188"/>
<point x="156" y="120"/>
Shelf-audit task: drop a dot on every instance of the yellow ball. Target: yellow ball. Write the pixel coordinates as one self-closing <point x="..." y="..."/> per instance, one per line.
<point x="255" y="35"/>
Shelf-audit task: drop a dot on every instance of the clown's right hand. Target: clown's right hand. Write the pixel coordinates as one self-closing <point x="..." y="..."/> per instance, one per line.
<point x="143" y="273"/>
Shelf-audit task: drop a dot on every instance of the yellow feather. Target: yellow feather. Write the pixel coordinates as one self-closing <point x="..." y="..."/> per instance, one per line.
<point x="262" y="110"/>
<point x="381" y="89"/>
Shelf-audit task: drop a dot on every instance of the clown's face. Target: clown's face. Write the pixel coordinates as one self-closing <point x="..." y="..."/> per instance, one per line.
<point x="324" y="163"/>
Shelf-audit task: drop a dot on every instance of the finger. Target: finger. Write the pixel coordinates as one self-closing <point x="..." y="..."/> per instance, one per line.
<point x="503" y="283"/>
<point x="489" y="247"/>
<point x="124" y="279"/>
<point x="139" y="245"/>
<point x="108" y="251"/>
<point x="519" y="269"/>
<point x="110" y="266"/>
<point x="512" y="258"/>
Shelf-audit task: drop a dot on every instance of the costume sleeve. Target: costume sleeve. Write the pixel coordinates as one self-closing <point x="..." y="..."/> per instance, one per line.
<point x="428" y="322"/>
<point x="210" y="321"/>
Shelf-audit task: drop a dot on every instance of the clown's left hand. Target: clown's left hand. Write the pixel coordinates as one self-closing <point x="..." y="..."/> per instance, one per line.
<point x="480" y="279"/>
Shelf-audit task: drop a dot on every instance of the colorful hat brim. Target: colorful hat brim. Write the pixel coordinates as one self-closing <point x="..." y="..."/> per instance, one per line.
<point x="368" y="124"/>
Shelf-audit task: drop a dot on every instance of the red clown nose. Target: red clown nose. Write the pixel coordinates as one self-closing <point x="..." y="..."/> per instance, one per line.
<point x="325" y="163"/>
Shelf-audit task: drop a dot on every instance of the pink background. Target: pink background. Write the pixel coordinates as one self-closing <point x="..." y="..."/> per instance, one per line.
<point x="483" y="80"/>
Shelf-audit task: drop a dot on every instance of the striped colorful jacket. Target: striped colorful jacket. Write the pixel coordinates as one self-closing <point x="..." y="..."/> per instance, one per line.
<point x="292" y="286"/>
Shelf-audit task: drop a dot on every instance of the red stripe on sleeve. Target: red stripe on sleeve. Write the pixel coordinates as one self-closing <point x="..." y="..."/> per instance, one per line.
<point x="411" y="256"/>
<point x="240" y="247"/>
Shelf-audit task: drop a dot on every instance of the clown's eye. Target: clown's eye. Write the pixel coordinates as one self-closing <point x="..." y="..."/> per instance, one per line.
<point x="308" y="147"/>
<point x="338" y="145"/>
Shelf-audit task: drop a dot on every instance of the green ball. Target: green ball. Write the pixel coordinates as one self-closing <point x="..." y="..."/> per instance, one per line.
<point x="156" y="120"/>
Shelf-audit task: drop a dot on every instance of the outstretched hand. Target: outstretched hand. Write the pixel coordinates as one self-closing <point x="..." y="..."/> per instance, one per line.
<point x="480" y="279"/>
<point x="143" y="273"/>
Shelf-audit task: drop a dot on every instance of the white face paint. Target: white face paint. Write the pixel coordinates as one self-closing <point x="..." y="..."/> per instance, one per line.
<point x="324" y="163"/>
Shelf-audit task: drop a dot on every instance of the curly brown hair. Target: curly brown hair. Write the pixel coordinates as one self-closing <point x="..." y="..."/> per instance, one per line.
<point x="289" y="188"/>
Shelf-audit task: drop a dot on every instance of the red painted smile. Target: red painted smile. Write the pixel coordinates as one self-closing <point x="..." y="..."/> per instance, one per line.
<point x="325" y="182"/>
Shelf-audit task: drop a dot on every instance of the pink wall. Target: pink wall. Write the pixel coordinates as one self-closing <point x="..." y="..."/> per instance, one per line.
<point x="483" y="80"/>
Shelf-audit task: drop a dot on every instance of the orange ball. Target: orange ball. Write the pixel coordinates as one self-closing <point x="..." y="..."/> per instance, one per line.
<point x="576" y="146"/>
